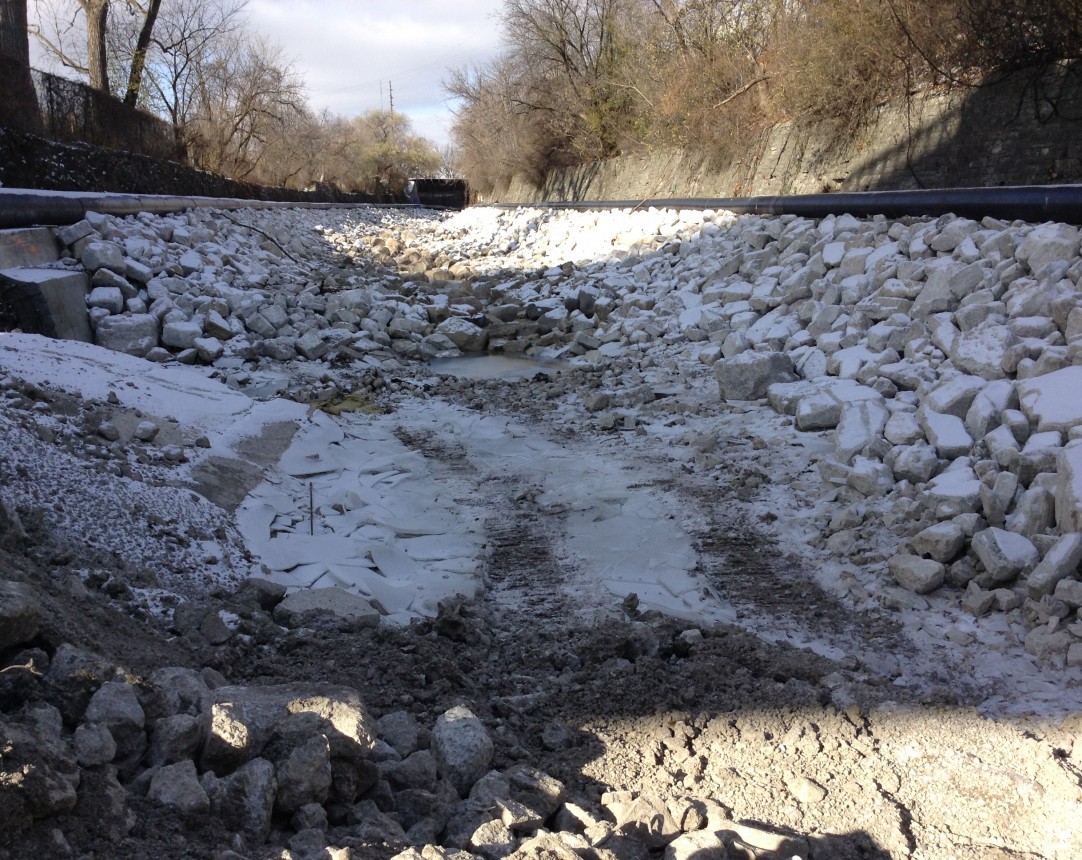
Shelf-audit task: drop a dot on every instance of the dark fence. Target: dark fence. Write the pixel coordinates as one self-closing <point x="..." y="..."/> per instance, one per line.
<point x="70" y="111"/>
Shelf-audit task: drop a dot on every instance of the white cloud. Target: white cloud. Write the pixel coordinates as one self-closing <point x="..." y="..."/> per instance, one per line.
<point x="354" y="54"/>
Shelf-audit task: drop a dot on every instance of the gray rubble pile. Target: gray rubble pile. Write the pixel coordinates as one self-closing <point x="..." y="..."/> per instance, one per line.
<point x="941" y="357"/>
<point x="295" y="770"/>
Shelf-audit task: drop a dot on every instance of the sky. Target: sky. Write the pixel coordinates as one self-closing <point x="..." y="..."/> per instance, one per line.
<point x="354" y="54"/>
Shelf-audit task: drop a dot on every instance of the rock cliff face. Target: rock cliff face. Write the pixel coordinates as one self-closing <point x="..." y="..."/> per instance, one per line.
<point x="1019" y="131"/>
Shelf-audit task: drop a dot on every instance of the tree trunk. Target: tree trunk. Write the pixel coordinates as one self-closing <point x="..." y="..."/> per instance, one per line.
<point x="18" y="101"/>
<point x="138" y="61"/>
<point x="97" y="22"/>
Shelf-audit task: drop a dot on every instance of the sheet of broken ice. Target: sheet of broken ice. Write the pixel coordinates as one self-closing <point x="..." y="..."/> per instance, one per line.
<point x="351" y="506"/>
<point x="390" y="524"/>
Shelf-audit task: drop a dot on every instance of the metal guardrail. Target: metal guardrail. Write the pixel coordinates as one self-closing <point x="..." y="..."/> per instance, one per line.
<point x="1034" y="203"/>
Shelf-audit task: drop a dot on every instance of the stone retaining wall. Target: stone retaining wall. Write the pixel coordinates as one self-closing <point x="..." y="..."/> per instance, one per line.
<point x="1021" y="131"/>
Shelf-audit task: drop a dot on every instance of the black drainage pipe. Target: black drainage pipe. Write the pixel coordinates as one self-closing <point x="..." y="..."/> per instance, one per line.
<point x="25" y="208"/>
<point x="1034" y="203"/>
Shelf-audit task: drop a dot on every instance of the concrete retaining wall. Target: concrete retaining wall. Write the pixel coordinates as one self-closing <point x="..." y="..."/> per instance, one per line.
<point x="1021" y="131"/>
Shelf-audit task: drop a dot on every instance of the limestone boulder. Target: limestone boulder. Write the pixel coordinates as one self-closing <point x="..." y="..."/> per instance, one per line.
<point x="747" y="376"/>
<point x="462" y="747"/>
<point x="240" y="721"/>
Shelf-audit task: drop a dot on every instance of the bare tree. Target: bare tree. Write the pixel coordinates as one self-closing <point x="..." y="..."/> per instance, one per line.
<point x="83" y="36"/>
<point x="142" y="46"/>
<point x="571" y="59"/>
<point x="188" y="36"/>
<point x="97" y="58"/>
<point x="18" y="101"/>
<point x="245" y="94"/>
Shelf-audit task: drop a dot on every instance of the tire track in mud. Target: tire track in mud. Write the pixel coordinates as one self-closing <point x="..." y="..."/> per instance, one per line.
<point x="521" y="571"/>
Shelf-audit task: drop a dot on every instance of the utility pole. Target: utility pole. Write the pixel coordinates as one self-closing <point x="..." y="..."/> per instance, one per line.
<point x="390" y="95"/>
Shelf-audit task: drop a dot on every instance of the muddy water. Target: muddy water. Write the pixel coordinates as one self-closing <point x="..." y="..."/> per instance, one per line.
<point x="495" y="367"/>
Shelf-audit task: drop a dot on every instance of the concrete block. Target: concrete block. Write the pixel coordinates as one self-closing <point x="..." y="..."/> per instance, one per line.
<point x="27" y="247"/>
<point x="51" y="302"/>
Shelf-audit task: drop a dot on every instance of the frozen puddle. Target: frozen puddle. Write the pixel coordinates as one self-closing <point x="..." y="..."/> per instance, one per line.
<point x="407" y="530"/>
<point x="350" y="506"/>
<point x="493" y="367"/>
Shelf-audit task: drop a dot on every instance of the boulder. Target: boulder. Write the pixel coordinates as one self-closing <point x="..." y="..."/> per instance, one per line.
<point x="93" y="744"/>
<point x="103" y="255"/>
<point x="131" y="333"/>
<point x="1059" y="563"/>
<point x="244" y="801"/>
<point x="209" y="349"/>
<point x="20" y="614"/>
<point x="981" y="350"/>
<point x="239" y="721"/>
<point x="916" y="574"/>
<point x="116" y="706"/>
<point x="464" y="334"/>
<point x="1003" y="554"/>
<point x="312" y="346"/>
<point x="302" y="606"/>
<point x="74" y="675"/>
<point x="304" y="775"/>
<point x="1050" y="401"/>
<point x="106" y="298"/>
<point x="39" y="776"/>
<point x="747" y="376"/>
<point x="946" y="433"/>
<point x="176" y="786"/>
<point x="1069" y="489"/>
<point x="175" y="738"/>
<point x="1048" y="243"/>
<point x="862" y="423"/>
<point x="462" y="747"/>
<point x="181" y="334"/>
<point x="941" y="542"/>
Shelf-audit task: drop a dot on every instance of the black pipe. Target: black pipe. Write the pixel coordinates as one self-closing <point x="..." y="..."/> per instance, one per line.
<point x="24" y="208"/>
<point x="1034" y="203"/>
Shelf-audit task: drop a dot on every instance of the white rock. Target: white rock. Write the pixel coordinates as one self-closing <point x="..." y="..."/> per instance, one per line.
<point x="1004" y="555"/>
<point x="107" y="298"/>
<point x="1052" y="401"/>
<point x="103" y="255"/>
<point x="209" y="349"/>
<point x="1059" y="563"/>
<point x="748" y="376"/>
<point x="955" y="395"/>
<point x="1048" y="243"/>
<point x="916" y="463"/>
<point x="181" y="334"/>
<point x="462" y="747"/>
<point x="942" y="542"/>
<point x="955" y="491"/>
<point x="946" y="433"/>
<point x="861" y="424"/>
<point x="903" y="428"/>
<point x="464" y="334"/>
<point x="1069" y="489"/>
<point x="984" y="413"/>
<point x="134" y="334"/>
<point x="919" y="575"/>
<point x="981" y="350"/>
